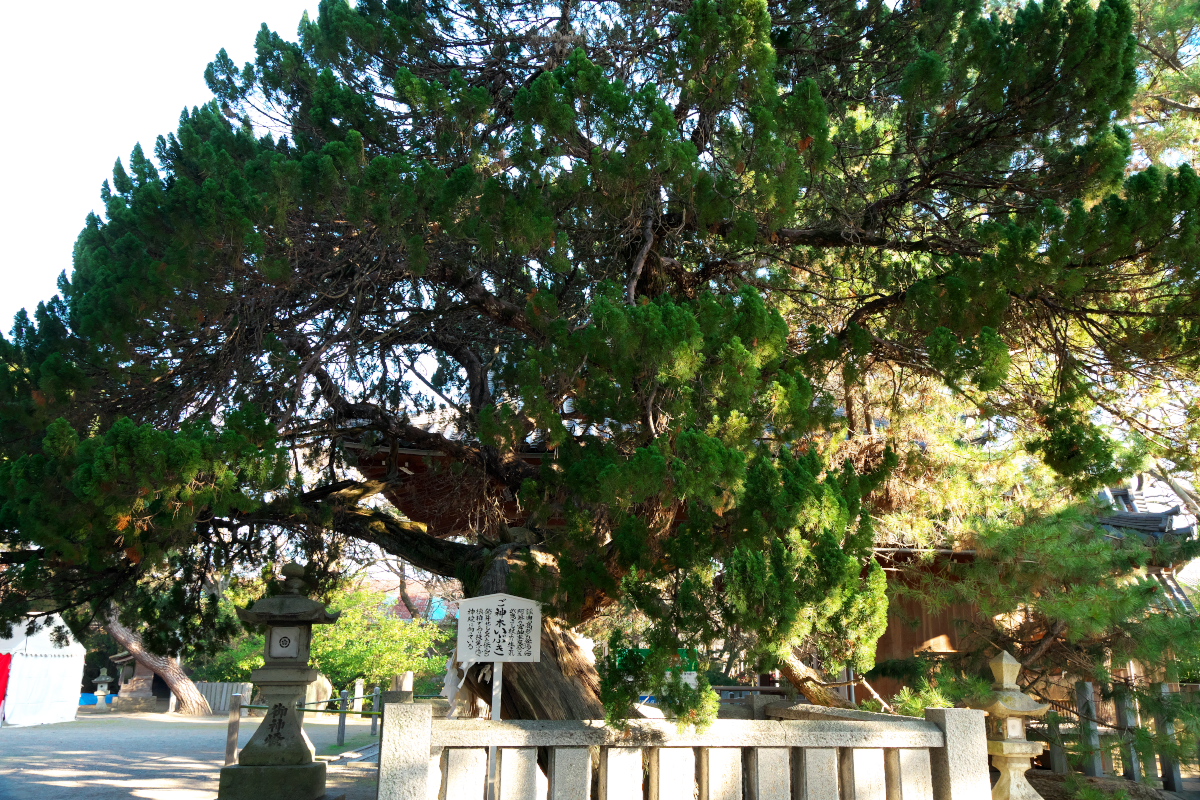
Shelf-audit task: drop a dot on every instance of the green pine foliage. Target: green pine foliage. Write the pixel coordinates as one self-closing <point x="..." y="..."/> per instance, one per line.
<point x="233" y="662"/>
<point x="1070" y="602"/>
<point x="1165" y="112"/>
<point x="113" y="516"/>
<point x="681" y="249"/>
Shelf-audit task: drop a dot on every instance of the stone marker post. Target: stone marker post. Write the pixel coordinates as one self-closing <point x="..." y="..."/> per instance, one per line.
<point x="343" y="707"/>
<point x="1011" y="752"/>
<point x="231" y="730"/>
<point x="278" y="762"/>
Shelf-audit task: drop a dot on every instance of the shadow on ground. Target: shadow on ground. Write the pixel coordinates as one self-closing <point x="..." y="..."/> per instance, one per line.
<point x="146" y="756"/>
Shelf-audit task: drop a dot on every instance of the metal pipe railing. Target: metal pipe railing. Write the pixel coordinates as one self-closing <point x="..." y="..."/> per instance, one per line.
<point x="343" y="707"/>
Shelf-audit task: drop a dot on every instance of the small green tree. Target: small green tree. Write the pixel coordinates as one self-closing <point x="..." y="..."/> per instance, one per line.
<point x="369" y="642"/>
<point x="232" y="663"/>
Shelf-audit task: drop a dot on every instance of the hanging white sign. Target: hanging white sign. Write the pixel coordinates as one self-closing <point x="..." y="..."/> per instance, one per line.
<point x="499" y="627"/>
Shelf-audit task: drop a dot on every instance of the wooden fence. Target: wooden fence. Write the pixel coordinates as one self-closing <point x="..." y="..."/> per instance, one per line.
<point x="943" y="757"/>
<point x="218" y="694"/>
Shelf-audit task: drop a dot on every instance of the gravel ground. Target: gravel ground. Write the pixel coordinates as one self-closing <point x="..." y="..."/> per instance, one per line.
<point x="149" y="757"/>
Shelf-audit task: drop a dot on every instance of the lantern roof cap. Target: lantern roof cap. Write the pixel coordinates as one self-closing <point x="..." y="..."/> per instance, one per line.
<point x="291" y="606"/>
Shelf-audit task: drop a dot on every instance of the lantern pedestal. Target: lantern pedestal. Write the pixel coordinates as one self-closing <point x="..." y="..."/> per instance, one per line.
<point x="299" y="781"/>
<point x="278" y="763"/>
<point x="1012" y="759"/>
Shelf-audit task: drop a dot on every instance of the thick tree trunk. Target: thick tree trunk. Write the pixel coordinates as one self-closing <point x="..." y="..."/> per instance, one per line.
<point x="563" y="685"/>
<point x="188" y="696"/>
<point x="809" y="682"/>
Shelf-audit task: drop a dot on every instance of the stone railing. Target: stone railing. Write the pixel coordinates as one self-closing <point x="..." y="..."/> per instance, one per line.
<point x="877" y="757"/>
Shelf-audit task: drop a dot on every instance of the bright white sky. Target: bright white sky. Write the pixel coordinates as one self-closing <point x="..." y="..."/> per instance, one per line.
<point x="83" y="82"/>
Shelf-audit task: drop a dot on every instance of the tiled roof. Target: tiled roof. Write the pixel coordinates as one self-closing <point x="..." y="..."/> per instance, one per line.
<point x="1148" y="507"/>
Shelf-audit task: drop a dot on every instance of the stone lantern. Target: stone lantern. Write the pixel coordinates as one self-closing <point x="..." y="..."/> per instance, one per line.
<point x="102" y="681"/>
<point x="278" y="763"/>
<point x="1011" y="752"/>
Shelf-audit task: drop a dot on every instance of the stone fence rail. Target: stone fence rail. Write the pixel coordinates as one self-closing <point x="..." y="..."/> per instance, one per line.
<point x="874" y="757"/>
<point x="218" y="694"/>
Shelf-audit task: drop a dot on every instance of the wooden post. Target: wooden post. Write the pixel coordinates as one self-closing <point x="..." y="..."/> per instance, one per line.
<point x="1172" y="780"/>
<point x="1131" y="760"/>
<point x="231" y="733"/>
<point x="493" y="765"/>
<point x="1089" y="733"/>
<point x="343" y="706"/>
<point x="376" y="707"/>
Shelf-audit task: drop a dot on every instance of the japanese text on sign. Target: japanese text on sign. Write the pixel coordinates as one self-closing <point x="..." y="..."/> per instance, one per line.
<point x="499" y="627"/>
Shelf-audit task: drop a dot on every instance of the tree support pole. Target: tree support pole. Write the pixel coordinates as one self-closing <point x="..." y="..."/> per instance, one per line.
<point x="493" y="764"/>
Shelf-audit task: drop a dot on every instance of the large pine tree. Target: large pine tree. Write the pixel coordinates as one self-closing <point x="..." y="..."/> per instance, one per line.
<point x="669" y="246"/>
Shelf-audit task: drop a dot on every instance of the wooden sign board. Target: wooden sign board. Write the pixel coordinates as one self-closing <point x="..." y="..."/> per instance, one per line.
<point x="499" y="627"/>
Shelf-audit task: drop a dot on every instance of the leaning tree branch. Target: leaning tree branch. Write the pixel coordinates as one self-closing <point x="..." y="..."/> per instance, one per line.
<point x="338" y="507"/>
<point x="505" y="467"/>
<point x="1056" y="630"/>
<point x="853" y="237"/>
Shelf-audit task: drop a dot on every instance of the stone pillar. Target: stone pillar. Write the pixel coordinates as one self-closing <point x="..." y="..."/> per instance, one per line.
<point x="1089" y="733"/>
<point x="1131" y="759"/>
<point x="278" y="763"/>
<point x="1011" y="752"/>
<point x="1164" y="726"/>
<point x="1058" y="753"/>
